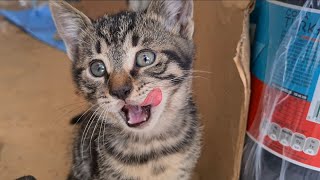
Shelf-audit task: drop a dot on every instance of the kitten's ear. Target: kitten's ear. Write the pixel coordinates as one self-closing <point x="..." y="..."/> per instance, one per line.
<point x="177" y="14"/>
<point x="69" y="22"/>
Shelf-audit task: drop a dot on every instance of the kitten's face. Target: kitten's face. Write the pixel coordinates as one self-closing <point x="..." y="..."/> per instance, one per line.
<point x="129" y="65"/>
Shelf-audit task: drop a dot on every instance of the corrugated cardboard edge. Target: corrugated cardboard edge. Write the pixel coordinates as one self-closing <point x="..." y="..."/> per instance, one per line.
<point x="242" y="61"/>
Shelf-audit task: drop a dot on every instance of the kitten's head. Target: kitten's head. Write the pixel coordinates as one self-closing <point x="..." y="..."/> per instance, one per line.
<point x="132" y="66"/>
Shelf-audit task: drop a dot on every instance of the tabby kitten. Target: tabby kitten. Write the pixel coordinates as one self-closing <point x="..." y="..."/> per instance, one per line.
<point x="135" y="69"/>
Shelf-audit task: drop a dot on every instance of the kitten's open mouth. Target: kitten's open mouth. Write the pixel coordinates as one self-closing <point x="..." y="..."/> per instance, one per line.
<point x="136" y="116"/>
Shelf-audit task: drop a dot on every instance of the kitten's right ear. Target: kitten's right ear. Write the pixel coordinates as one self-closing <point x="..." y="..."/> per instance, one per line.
<point x="69" y="22"/>
<point x="177" y="15"/>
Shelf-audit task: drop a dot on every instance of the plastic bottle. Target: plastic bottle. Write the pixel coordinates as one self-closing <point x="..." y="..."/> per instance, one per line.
<point x="283" y="133"/>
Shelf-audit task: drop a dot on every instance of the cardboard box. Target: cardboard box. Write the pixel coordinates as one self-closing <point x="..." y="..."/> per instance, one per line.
<point x="38" y="97"/>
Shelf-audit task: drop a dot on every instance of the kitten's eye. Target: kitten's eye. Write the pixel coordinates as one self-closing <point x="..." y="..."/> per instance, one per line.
<point x="145" y="58"/>
<point x="97" y="68"/>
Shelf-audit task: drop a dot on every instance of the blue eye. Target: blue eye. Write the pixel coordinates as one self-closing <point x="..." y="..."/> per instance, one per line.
<point x="145" y="58"/>
<point x="97" y="68"/>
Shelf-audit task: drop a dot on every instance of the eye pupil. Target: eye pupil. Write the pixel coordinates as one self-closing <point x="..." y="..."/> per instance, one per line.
<point x="100" y="68"/>
<point x="145" y="58"/>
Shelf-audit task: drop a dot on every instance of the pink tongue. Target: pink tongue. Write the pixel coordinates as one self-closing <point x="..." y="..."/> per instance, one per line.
<point x="154" y="98"/>
<point x="136" y="114"/>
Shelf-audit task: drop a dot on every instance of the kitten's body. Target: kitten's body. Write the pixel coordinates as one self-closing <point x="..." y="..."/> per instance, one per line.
<point x="116" y="154"/>
<point x="167" y="146"/>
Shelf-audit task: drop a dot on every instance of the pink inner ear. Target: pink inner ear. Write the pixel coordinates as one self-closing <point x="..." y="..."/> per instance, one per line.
<point x="154" y="98"/>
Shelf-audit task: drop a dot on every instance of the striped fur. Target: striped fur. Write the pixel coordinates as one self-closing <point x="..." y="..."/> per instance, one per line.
<point x="105" y="147"/>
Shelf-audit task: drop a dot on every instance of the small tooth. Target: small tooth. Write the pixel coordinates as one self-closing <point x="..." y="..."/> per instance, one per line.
<point x="145" y="119"/>
<point x="130" y="122"/>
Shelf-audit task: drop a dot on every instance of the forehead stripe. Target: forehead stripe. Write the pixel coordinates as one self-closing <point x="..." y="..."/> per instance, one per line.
<point x="98" y="47"/>
<point x="115" y="28"/>
<point x="135" y="40"/>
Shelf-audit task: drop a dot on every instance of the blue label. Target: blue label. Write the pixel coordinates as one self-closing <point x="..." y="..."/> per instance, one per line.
<point x="284" y="52"/>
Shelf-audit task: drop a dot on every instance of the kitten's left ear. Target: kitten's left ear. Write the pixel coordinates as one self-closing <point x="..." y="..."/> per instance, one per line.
<point x="69" y="22"/>
<point x="177" y="14"/>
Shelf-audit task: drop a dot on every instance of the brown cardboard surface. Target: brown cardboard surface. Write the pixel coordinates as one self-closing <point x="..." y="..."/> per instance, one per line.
<point x="35" y="89"/>
<point x="218" y="29"/>
<point x="38" y="97"/>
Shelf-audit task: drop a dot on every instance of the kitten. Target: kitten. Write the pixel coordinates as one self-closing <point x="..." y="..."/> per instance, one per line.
<point x="135" y="69"/>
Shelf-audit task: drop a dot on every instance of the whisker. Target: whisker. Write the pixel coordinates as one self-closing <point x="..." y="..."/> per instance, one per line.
<point x="99" y="136"/>
<point x="85" y="113"/>
<point x="196" y="71"/>
<point x="104" y="127"/>
<point x="72" y="104"/>
<point x="201" y="77"/>
<point x="92" y="134"/>
<point x="63" y="114"/>
<point x="177" y="78"/>
<point x="84" y="133"/>
<point x="201" y="71"/>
